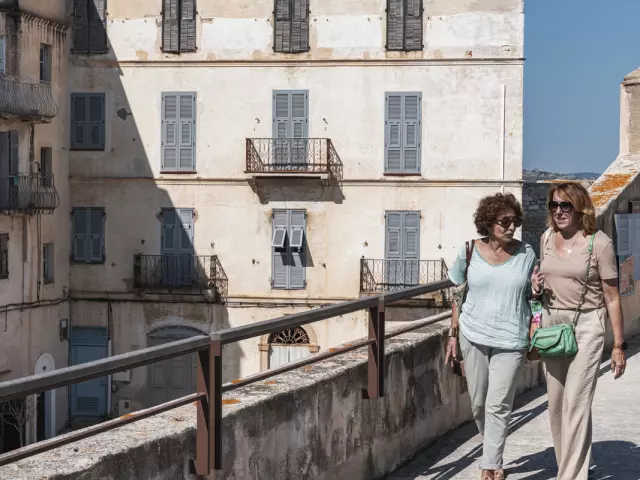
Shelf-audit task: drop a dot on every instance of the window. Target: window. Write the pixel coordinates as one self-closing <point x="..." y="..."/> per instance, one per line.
<point x="45" y="63"/>
<point x="4" y="255"/>
<point x="403" y="123"/>
<point x="404" y="25"/>
<point x="46" y="167"/>
<point x="177" y="231"/>
<point x="47" y="262"/>
<point x="87" y="121"/>
<point x="402" y="249"/>
<point x="9" y="155"/>
<point x="2" y="54"/>
<point x="291" y="120"/>
<point x="291" y="26"/>
<point x="88" y="235"/>
<point x="178" y="26"/>
<point x="178" y="132"/>
<point x="89" y="26"/>
<point x="288" y="249"/>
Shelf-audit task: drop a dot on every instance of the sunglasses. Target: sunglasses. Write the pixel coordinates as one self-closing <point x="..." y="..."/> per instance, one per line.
<point x="566" y="207"/>
<point x="506" y="222"/>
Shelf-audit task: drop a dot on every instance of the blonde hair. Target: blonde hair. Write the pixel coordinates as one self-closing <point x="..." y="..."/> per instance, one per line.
<point x="579" y="197"/>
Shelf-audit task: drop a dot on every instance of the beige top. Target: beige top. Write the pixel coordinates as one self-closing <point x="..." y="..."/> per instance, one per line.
<point x="564" y="277"/>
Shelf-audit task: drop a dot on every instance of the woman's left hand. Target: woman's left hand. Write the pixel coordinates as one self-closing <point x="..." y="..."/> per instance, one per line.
<point x="618" y="363"/>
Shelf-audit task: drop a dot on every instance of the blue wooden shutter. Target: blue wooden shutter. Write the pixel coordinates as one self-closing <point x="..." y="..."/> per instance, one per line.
<point x="170" y="26"/>
<point x="393" y="240"/>
<point x="96" y="118"/>
<point x="14" y="153"/>
<point x="282" y="28"/>
<point x="279" y="268"/>
<point x="169" y="232"/>
<point x="281" y="114"/>
<point x="96" y="235"/>
<point x="80" y="229"/>
<point x="297" y="270"/>
<point x="81" y="26"/>
<point x="393" y="133"/>
<point x="299" y="114"/>
<point x="187" y="131"/>
<point x="97" y="26"/>
<point x="395" y="25"/>
<point x="79" y="121"/>
<point x="187" y="26"/>
<point x="169" y="131"/>
<point x="87" y="344"/>
<point x="413" y="25"/>
<point x="300" y="26"/>
<point x="412" y="124"/>
<point x="2" y="56"/>
<point x="185" y="236"/>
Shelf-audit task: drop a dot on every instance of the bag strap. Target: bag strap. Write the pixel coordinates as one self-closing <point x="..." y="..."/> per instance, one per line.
<point x="469" y="249"/>
<point x="584" y="286"/>
<point x="545" y="240"/>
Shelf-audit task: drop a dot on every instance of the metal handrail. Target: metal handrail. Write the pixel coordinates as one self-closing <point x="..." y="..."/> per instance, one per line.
<point x="26" y="98"/>
<point x="210" y="387"/>
<point x="29" y="193"/>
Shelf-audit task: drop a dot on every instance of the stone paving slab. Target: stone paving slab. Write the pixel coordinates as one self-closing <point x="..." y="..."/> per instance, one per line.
<point x="529" y="451"/>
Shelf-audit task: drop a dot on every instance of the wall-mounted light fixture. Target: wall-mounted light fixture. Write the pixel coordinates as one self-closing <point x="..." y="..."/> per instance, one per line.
<point x="64" y="329"/>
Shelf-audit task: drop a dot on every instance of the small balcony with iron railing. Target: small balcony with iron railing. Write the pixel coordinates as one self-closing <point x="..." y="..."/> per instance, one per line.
<point x="26" y="100"/>
<point x="383" y="276"/>
<point x="180" y="272"/>
<point x="28" y="193"/>
<point x="292" y="157"/>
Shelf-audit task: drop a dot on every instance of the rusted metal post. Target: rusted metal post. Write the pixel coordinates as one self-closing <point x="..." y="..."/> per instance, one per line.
<point x="375" y="367"/>
<point x="209" y="432"/>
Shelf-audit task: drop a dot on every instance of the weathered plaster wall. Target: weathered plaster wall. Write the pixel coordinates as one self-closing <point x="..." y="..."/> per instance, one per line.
<point x="243" y="30"/>
<point x="310" y="423"/>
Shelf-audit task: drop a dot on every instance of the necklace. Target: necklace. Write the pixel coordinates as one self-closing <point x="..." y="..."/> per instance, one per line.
<point x="570" y="249"/>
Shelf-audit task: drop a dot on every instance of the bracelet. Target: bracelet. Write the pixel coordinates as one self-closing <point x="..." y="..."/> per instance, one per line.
<point x="453" y="332"/>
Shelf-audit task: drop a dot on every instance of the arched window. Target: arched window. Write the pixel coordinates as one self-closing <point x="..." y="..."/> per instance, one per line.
<point x="287" y="346"/>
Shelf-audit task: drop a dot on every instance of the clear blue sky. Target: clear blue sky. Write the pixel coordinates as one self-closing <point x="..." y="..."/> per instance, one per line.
<point x="577" y="53"/>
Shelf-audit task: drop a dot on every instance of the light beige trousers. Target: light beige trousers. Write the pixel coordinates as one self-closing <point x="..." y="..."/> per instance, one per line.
<point x="571" y="383"/>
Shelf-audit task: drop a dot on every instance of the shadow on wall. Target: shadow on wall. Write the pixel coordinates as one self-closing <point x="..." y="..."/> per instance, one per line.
<point x="123" y="221"/>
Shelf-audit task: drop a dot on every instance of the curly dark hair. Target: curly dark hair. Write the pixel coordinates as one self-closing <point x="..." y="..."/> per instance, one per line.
<point x="490" y="207"/>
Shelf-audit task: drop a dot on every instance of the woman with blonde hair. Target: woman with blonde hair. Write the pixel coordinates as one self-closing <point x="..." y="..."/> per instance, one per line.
<point x="578" y="286"/>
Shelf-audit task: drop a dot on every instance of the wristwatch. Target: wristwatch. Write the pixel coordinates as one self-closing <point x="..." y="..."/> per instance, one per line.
<point x="622" y="346"/>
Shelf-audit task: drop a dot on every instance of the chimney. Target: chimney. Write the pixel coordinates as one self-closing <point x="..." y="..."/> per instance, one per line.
<point x="630" y="114"/>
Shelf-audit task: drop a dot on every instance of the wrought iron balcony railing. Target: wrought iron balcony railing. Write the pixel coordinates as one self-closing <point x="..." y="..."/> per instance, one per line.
<point x="293" y="156"/>
<point x="202" y="272"/>
<point x="393" y="275"/>
<point x="28" y="193"/>
<point x="25" y="99"/>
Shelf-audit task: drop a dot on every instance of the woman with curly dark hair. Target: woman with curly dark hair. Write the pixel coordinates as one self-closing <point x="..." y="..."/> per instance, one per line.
<point x="492" y="323"/>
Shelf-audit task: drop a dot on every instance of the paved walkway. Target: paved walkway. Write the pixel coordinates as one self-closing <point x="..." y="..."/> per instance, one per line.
<point x="529" y="451"/>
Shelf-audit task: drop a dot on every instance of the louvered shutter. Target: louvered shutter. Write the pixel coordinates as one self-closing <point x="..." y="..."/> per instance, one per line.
<point x="297" y="255"/>
<point x="2" y="57"/>
<point x="187" y="131"/>
<point x="169" y="232"/>
<point x="393" y="133"/>
<point x="185" y="246"/>
<point x="279" y="269"/>
<point x="169" y="131"/>
<point x="96" y="235"/>
<point x="411" y="144"/>
<point x="623" y="233"/>
<point x="413" y="25"/>
<point x="170" y="26"/>
<point x="14" y="153"/>
<point x="411" y="248"/>
<point x="97" y="26"/>
<point x="96" y="117"/>
<point x="300" y="26"/>
<point x="4" y="255"/>
<point x="80" y="229"/>
<point x="395" y="25"/>
<point x="79" y="121"/>
<point x="393" y="241"/>
<point x="282" y="29"/>
<point x="299" y="125"/>
<point x="81" y="26"/>
<point x="188" y="26"/>
<point x="281" y="127"/>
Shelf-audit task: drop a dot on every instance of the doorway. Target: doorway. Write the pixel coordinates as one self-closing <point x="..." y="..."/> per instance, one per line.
<point x="45" y="402"/>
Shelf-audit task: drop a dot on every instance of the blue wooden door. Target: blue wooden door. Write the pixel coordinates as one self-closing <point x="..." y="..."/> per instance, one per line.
<point x="88" y="399"/>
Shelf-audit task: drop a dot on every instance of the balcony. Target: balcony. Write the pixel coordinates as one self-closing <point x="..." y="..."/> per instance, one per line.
<point x="382" y="276"/>
<point x="28" y="193"/>
<point x="180" y="272"/>
<point x="26" y="100"/>
<point x="292" y="157"/>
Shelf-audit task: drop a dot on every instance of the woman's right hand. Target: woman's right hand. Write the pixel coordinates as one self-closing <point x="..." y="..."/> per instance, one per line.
<point x="452" y="351"/>
<point x="537" y="281"/>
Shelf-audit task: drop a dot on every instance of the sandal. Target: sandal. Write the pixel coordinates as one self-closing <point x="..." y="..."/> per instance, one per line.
<point x="499" y="474"/>
<point x="486" y="475"/>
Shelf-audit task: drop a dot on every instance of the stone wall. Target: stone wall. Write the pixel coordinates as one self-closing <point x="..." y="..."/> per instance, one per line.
<point x="309" y="423"/>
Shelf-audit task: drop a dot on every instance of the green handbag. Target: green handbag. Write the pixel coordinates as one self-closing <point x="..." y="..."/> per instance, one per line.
<point x="560" y="340"/>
